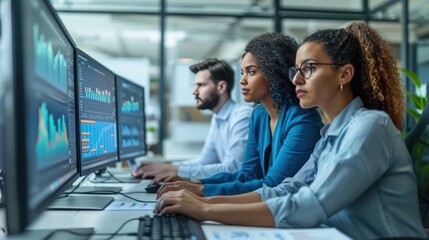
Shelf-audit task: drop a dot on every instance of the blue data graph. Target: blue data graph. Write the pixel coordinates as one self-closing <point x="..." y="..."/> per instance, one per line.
<point x="98" y="95"/>
<point x="52" y="143"/>
<point x="130" y="135"/>
<point x="98" y="138"/>
<point x="130" y="105"/>
<point x="130" y="142"/>
<point x="130" y="130"/>
<point x="96" y="85"/>
<point x="49" y="65"/>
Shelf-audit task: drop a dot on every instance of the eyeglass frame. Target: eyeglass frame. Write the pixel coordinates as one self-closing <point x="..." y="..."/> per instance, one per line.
<point x="298" y="69"/>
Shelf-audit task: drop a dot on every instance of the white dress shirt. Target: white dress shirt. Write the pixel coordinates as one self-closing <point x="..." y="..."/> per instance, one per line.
<point x="225" y="144"/>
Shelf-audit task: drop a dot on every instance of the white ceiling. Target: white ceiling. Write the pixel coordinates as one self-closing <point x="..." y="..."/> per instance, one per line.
<point x="136" y="35"/>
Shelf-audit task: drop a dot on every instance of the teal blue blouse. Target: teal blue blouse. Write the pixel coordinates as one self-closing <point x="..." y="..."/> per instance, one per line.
<point x="294" y="138"/>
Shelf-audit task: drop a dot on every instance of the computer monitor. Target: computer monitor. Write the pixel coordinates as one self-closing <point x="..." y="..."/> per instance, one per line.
<point x="131" y="120"/>
<point x="2" y="87"/>
<point x="39" y="109"/>
<point x="96" y="89"/>
<point x="2" y="164"/>
<point x="97" y="140"/>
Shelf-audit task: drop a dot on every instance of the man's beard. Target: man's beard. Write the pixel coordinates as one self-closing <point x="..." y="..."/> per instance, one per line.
<point x="209" y="103"/>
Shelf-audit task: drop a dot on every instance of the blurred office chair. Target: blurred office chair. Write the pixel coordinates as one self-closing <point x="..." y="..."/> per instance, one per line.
<point x="417" y="142"/>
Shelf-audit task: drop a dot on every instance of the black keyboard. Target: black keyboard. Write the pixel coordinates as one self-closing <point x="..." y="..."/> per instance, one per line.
<point x="169" y="227"/>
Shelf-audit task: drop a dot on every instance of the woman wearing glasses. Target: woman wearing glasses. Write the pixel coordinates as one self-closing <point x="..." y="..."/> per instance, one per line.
<point x="362" y="182"/>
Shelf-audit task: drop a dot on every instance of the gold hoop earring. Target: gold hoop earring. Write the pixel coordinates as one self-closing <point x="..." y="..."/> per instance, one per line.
<point x="341" y="87"/>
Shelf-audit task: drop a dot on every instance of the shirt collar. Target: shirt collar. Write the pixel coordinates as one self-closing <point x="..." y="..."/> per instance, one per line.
<point x="225" y="110"/>
<point x="334" y="128"/>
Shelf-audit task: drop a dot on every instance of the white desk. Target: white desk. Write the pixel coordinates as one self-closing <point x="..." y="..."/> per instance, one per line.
<point x="102" y="221"/>
<point x="109" y="221"/>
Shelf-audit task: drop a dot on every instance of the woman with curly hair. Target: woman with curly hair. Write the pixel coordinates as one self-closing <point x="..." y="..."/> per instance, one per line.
<point x="359" y="179"/>
<point x="282" y="135"/>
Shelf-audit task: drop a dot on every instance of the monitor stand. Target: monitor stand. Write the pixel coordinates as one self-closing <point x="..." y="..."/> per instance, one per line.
<point x="129" y="179"/>
<point x="84" y="233"/>
<point x="102" y="177"/>
<point x="81" y="203"/>
<point x="94" y="190"/>
<point x="127" y="167"/>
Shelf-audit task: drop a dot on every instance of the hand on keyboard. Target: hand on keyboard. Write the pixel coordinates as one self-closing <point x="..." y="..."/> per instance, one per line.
<point x="168" y="177"/>
<point x="195" y="188"/>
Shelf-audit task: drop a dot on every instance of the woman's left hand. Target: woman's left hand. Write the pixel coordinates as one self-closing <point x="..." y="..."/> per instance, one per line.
<point x="195" y="188"/>
<point x="182" y="202"/>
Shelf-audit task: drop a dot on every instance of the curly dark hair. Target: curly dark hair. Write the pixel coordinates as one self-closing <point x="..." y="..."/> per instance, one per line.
<point x="376" y="80"/>
<point x="219" y="70"/>
<point x="274" y="53"/>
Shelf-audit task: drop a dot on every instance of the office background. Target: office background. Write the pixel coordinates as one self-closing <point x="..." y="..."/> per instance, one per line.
<point x="154" y="41"/>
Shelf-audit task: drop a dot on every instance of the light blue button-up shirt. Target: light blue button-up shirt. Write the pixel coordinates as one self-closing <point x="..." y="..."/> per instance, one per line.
<point x="225" y="144"/>
<point x="362" y="181"/>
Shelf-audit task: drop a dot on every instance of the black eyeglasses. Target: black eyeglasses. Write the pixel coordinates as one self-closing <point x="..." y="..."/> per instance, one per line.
<point x="306" y="69"/>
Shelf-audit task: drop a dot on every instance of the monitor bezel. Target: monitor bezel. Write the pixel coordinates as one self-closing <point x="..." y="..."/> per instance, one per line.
<point x="121" y="78"/>
<point x="79" y="147"/>
<point x="18" y="214"/>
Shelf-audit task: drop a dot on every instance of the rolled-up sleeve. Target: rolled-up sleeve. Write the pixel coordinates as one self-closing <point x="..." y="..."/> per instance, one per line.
<point x="302" y="209"/>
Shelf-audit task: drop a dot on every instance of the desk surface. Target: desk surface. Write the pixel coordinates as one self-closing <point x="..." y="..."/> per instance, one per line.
<point x="109" y="221"/>
<point x="102" y="221"/>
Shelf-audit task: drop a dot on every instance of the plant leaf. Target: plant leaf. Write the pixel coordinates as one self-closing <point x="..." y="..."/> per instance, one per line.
<point x="413" y="113"/>
<point x="418" y="101"/>
<point x="413" y="77"/>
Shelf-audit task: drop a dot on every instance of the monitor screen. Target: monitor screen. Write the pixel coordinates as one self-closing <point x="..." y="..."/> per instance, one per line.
<point x="131" y="119"/>
<point x="97" y="114"/>
<point x="39" y="109"/>
<point x="2" y="87"/>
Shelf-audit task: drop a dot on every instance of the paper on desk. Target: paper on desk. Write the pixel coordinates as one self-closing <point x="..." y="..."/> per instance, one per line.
<point x="222" y="232"/>
<point x="131" y="206"/>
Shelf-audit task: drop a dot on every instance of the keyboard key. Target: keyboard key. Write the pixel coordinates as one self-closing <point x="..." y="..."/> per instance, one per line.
<point x="169" y="227"/>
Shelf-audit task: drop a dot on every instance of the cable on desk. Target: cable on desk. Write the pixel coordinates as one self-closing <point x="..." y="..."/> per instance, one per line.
<point x="111" y="235"/>
<point x="135" y="199"/>
<point x="74" y="189"/>
<point x="113" y="176"/>
<point x="107" y="178"/>
<point x="119" y="229"/>
<point x="134" y="192"/>
<point x="102" y="192"/>
<point x="51" y="234"/>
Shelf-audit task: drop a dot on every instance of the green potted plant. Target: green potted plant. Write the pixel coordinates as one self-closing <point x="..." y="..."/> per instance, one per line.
<point x="420" y="150"/>
<point x="418" y="98"/>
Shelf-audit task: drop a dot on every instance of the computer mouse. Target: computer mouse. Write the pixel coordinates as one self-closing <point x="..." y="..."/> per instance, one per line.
<point x="140" y="177"/>
<point x="153" y="188"/>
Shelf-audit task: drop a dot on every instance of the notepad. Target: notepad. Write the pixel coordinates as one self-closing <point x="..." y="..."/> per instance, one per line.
<point x="223" y="232"/>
